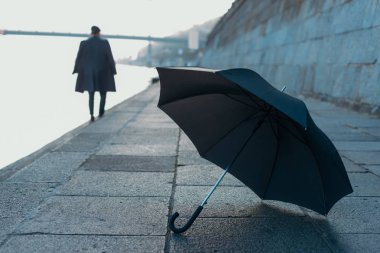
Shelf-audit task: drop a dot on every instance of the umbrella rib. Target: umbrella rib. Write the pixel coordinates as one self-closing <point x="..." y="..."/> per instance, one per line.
<point x="192" y="96"/>
<point x="249" y="96"/>
<point x="258" y="125"/>
<point x="218" y="93"/>
<point x="278" y="117"/>
<point x="288" y="119"/>
<point x="277" y="135"/>
<point x="273" y="166"/>
<point x="274" y="130"/>
<point x="239" y="101"/>
<point x="293" y="134"/>
<point x="322" y="186"/>
<point x="251" y="116"/>
<point x="316" y="160"/>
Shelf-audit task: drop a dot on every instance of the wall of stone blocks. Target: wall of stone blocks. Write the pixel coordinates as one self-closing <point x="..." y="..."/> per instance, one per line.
<point x="325" y="48"/>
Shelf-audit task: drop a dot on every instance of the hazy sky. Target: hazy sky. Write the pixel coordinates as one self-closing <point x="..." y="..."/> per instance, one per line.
<point x="130" y="17"/>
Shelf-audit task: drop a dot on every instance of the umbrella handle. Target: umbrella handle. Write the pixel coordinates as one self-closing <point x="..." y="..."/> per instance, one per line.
<point x="187" y="225"/>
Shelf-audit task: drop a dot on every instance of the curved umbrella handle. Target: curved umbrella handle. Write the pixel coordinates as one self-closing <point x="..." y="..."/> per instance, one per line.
<point x="187" y="225"/>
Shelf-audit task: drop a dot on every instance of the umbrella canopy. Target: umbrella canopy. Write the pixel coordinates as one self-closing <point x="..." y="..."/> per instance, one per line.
<point x="266" y="138"/>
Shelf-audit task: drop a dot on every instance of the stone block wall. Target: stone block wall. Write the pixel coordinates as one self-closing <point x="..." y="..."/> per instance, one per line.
<point x="324" y="48"/>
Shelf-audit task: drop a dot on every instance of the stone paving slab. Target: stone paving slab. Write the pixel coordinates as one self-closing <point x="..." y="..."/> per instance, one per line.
<point x="363" y="243"/>
<point x="363" y="157"/>
<point x="354" y="215"/>
<point x="350" y="136"/>
<point x="203" y="175"/>
<point x="83" y="243"/>
<point x="185" y="143"/>
<point x="365" y="184"/>
<point x="52" y="167"/>
<point x="99" y="215"/>
<point x="359" y="122"/>
<point x="7" y="225"/>
<point x="352" y="167"/>
<point x="322" y="119"/>
<point x="130" y="163"/>
<point x="138" y="103"/>
<point x="84" y="142"/>
<point x="147" y="136"/>
<point x="16" y="199"/>
<point x="152" y="132"/>
<point x="375" y="131"/>
<point x="280" y="234"/>
<point x="126" y="108"/>
<point x="191" y="158"/>
<point x="225" y="202"/>
<point x="357" y="145"/>
<point x="100" y="183"/>
<point x="138" y="150"/>
<point x="155" y="116"/>
<point x="375" y="169"/>
<point x="110" y="124"/>
<point x="337" y="125"/>
<point x="155" y="125"/>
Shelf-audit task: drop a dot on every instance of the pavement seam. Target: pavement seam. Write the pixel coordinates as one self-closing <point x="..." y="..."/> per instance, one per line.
<point x="208" y="185"/>
<point x="110" y="135"/>
<point x="357" y="233"/>
<point x="171" y="200"/>
<point x="361" y="166"/>
<point x="319" y="230"/>
<point x="73" y="234"/>
<point x="361" y="196"/>
<point x="111" y="196"/>
<point x="28" y="215"/>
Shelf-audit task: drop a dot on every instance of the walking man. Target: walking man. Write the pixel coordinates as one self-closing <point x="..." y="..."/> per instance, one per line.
<point x="95" y="67"/>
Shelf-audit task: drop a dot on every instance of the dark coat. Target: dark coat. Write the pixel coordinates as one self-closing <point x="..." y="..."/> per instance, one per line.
<point x="95" y="66"/>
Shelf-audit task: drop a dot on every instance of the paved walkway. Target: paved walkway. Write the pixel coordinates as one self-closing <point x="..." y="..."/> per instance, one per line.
<point x="110" y="186"/>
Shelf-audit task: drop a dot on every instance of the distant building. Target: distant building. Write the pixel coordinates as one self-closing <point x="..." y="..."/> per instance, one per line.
<point x="168" y="54"/>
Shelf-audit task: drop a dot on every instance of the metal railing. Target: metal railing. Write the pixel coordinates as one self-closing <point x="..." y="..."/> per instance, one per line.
<point x="109" y="36"/>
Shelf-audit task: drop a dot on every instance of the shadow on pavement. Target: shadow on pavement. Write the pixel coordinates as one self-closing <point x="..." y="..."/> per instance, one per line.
<point x="270" y="229"/>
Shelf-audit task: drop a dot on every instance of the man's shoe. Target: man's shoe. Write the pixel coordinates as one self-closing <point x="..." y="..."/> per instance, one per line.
<point x="101" y="114"/>
<point x="92" y="118"/>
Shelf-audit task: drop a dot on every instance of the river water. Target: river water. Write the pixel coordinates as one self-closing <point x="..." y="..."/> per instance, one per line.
<point x="38" y="103"/>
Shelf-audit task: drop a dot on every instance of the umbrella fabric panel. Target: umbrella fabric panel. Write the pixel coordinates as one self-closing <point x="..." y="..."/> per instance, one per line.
<point x="252" y="161"/>
<point x="236" y="119"/>
<point x="258" y="86"/>
<point x="224" y="151"/>
<point x="292" y="175"/>
<point x="295" y="176"/>
<point x="336" y="183"/>
<point x="177" y="84"/>
<point x="203" y="118"/>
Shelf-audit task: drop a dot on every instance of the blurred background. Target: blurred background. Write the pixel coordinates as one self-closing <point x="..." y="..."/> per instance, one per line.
<point x="38" y="103"/>
<point x="327" y="50"/>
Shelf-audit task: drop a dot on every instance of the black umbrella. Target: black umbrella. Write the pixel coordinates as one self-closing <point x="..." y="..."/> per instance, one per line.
<point x="260" y="135"/>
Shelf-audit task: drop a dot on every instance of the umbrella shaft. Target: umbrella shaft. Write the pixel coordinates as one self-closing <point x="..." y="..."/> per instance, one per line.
<point x="233" y="161"/>
<point x="214" y="187"/>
